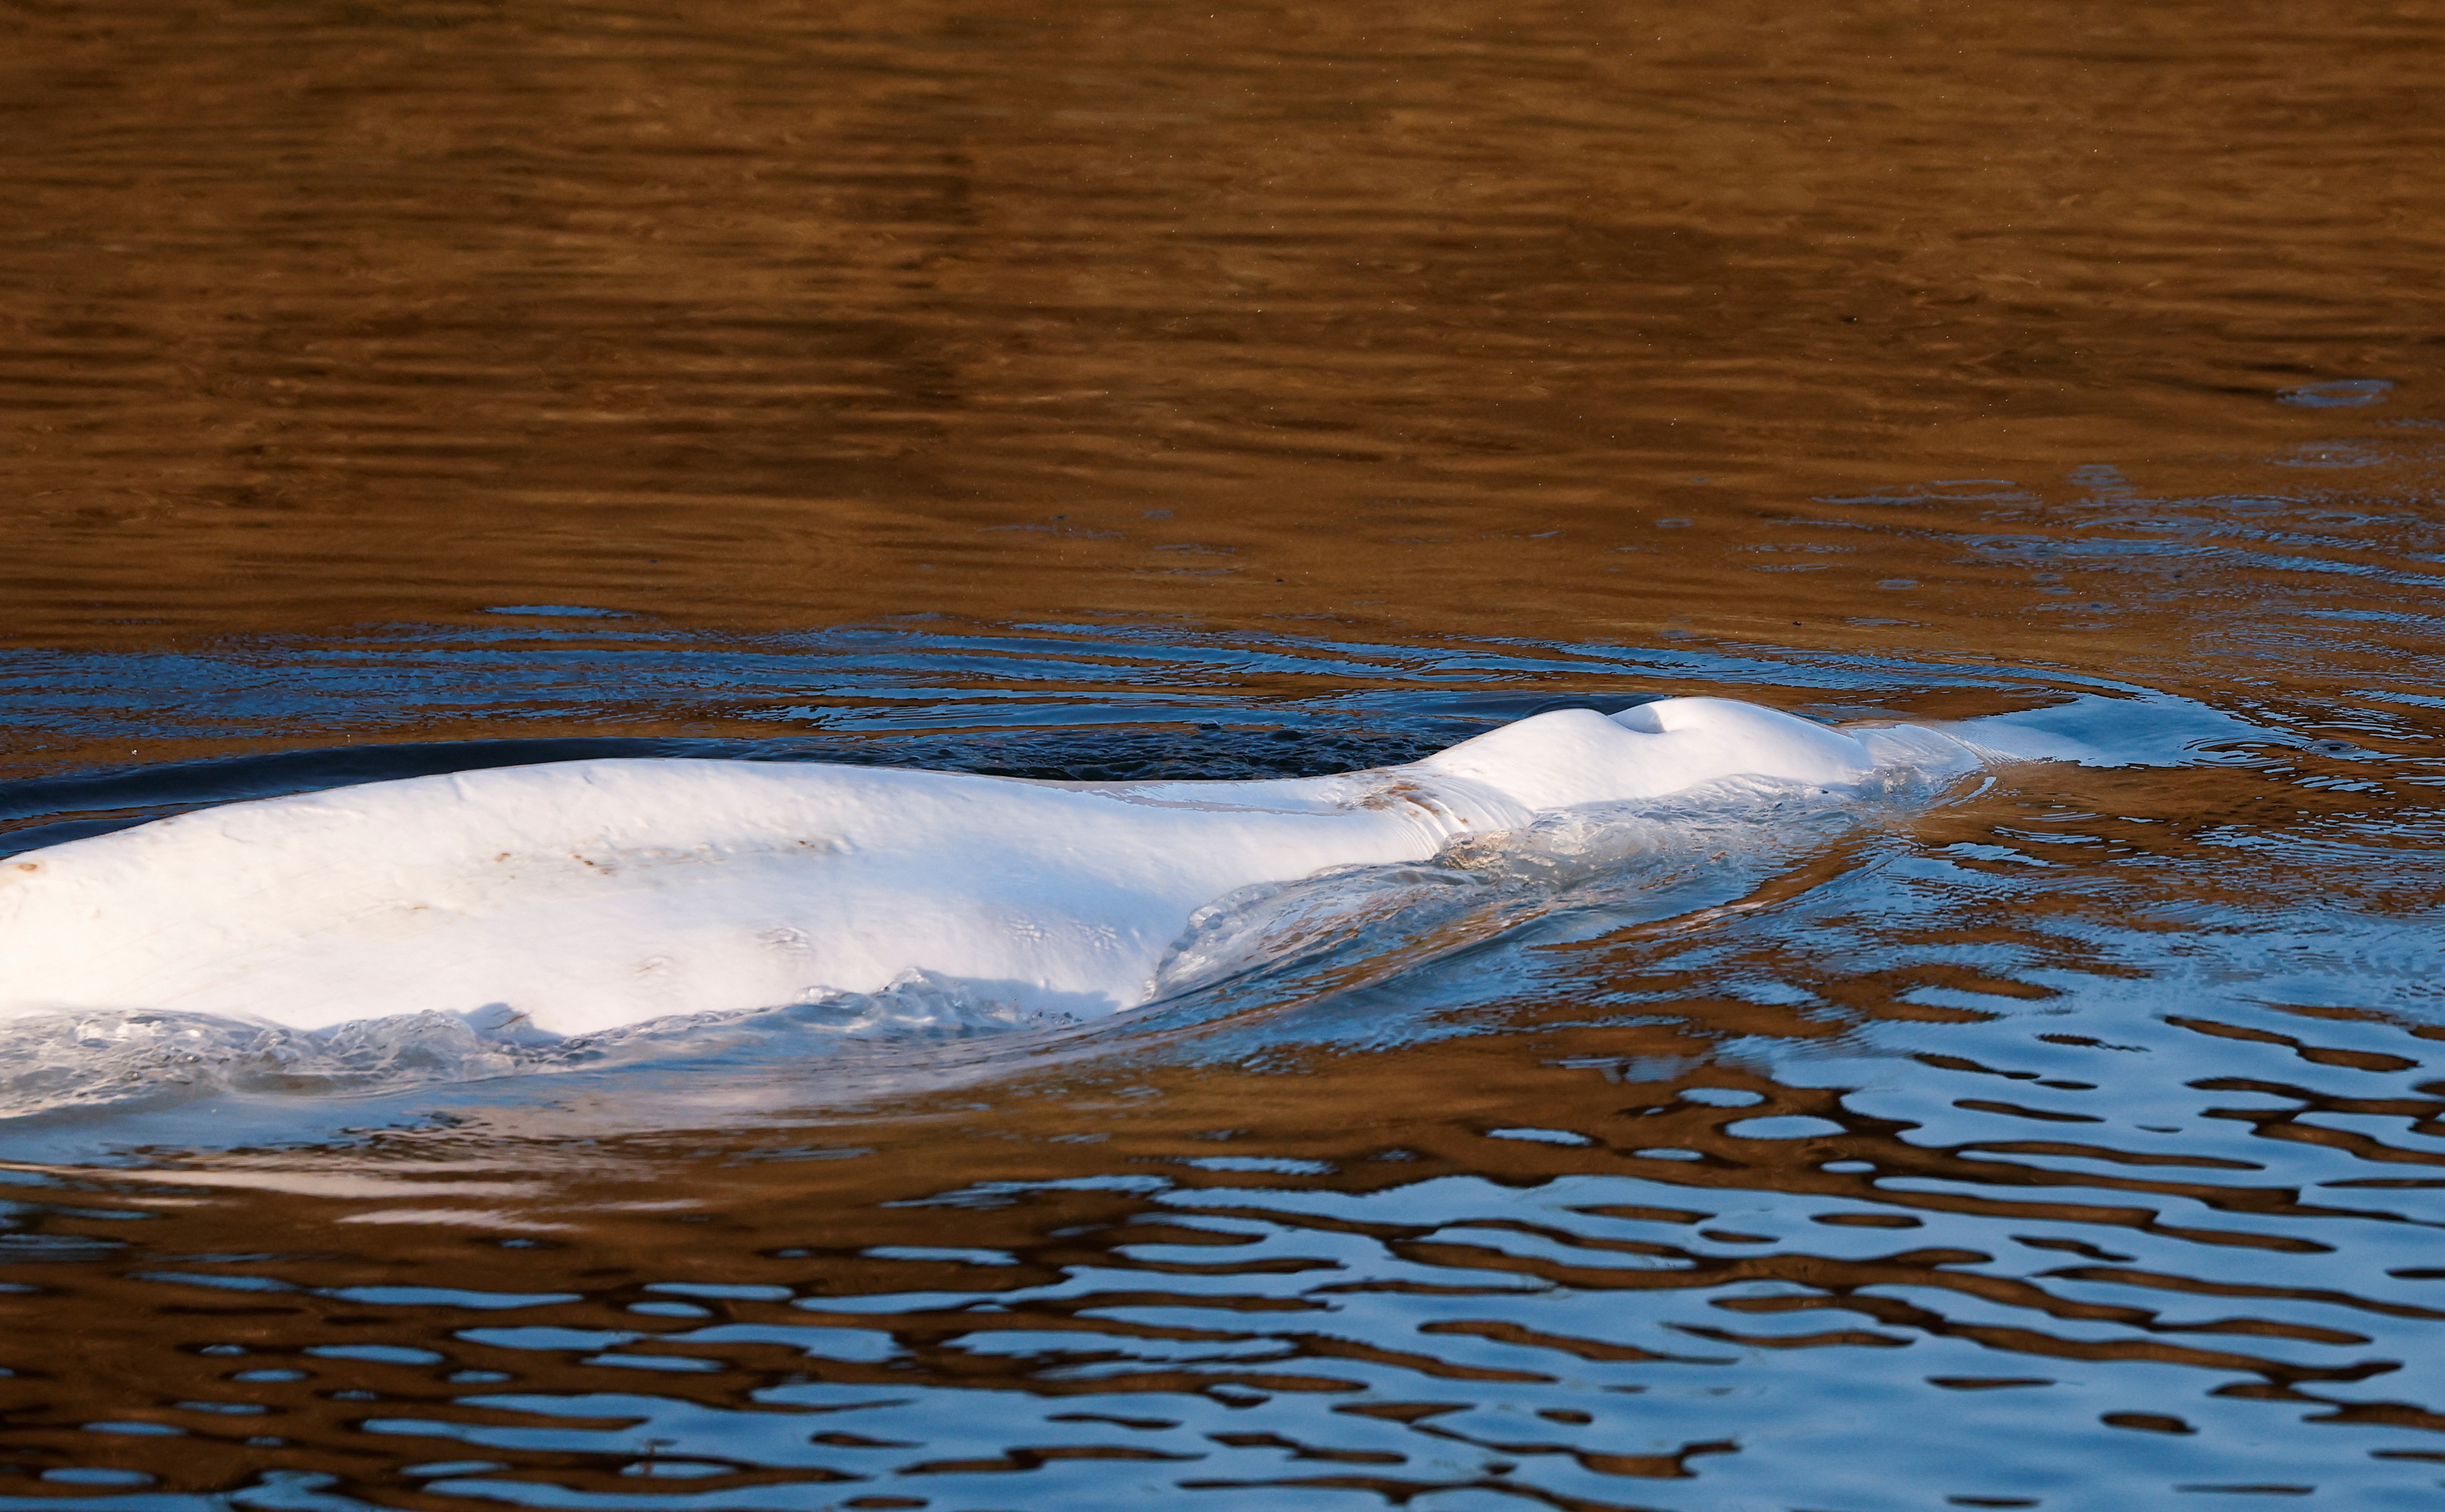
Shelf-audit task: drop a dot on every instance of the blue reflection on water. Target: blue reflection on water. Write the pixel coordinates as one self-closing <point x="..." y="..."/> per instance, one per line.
<point x="2092" y="1114"/>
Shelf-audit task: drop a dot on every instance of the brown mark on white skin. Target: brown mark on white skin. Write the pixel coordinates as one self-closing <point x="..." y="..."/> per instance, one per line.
<point x="610" y="860"/>
<point x="1401" y="792"/>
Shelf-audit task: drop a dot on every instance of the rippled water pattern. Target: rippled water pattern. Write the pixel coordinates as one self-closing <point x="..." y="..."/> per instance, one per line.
<point x="2084" y="1114"/>
<point x="1158" y="390"/>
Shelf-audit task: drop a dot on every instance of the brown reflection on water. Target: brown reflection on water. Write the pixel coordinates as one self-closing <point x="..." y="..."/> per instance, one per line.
<point x="1447" y="315"/>
<point x="1215" y="1232"/>
<point x="1907" y="327"/>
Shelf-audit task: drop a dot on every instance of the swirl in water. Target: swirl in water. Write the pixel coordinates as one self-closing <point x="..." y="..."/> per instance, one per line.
<point x="588" y="895"/>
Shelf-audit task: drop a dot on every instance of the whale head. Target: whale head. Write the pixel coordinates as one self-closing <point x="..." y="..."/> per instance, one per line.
<point x="1572" y="757"/>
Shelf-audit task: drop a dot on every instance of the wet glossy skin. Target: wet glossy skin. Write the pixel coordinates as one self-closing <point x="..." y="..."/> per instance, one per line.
<point x="589" y="895"/>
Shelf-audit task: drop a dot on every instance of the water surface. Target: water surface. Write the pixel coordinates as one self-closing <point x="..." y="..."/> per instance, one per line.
<point x="1163" y="391"/>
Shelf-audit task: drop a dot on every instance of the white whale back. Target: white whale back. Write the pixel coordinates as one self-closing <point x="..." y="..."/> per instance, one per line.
<point x="591" y="894"/>
<point x="1574" y="756"/>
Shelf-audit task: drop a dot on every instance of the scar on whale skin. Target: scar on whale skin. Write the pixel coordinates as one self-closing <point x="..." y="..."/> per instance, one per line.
<point x="711" y="885"/>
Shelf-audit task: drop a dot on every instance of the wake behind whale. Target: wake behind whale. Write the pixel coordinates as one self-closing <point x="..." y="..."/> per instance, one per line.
<point x="483" y="921"/>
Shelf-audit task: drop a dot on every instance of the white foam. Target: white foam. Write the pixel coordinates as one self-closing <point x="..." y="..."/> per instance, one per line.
<point x="580" y="897"/>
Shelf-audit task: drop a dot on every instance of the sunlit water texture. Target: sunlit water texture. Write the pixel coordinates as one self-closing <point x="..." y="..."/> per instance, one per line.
<point x="2061" y="1104"/>
<point x="1160" y="391"/>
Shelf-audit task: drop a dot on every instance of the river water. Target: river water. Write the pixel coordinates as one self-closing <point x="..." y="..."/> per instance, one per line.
<point x="1105" y="391"/>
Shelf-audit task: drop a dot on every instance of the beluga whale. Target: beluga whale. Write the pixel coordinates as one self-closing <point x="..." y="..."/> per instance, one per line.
<point x="583" y="896"/>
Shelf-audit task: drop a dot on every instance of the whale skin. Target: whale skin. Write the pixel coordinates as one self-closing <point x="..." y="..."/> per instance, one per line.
<point x="587" y="895"/>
